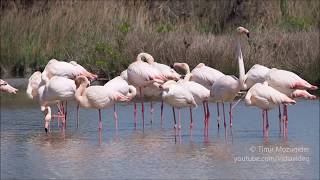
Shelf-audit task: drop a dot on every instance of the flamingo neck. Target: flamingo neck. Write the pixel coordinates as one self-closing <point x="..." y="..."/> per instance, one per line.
<point x="48" y="114"/>
<point x="80" y="91"/>
<point x="187" y="77"/>
<point x="242" y="77"/>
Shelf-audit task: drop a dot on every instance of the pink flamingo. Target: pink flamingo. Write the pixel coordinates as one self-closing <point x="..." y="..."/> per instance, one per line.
<point x="265" y="97"/>
<point x="121" y="85"/>
<point x="206" y="76"/>
<point x="152" y="91"/>
<point x="141" y="74"/>
<point x="178" y="97"/>
<point x="96" y="97"/>
<point x="291" y="85"/>
<point x="226" y="88"/>
<point x="200" y="93"/>
<point x="5" y="87"/>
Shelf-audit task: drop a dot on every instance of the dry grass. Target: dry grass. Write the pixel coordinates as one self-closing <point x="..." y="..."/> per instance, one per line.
<point x="105" y="36"/>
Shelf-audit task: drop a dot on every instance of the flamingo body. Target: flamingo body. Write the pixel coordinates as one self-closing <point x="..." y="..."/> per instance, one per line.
<point x="205" y="75"/>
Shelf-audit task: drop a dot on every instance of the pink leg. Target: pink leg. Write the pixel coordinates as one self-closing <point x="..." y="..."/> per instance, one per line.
<point x="208" y="115"/>
<point x="286" y="119"/>
<point x="135" y="114"/>
<point x="224" y="116"/>
<point x="218" y="112"/>
<point x="191" y="121"/>
<point x="174" y="119"/>
<point x="115" y="115"/>
<point x="230" y="114"/>
<point x="267" y="124"/>
<point x="263" y="124"/>
<point x="205" y="115"/>
<point x="100" y="121"/>
<point x="161" y="113"/>
<point x="280" y="118"/>
<point x="142" y="108"/>
<point x="65" y="113"/>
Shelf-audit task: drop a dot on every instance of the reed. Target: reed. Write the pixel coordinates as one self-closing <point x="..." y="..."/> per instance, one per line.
<point x="105" y="36"/>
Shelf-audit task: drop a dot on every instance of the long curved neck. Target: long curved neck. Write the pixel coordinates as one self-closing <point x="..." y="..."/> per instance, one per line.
<point x="242" y="77"/>
<point x="79" y="92"/>
<point x="148" y="57"/>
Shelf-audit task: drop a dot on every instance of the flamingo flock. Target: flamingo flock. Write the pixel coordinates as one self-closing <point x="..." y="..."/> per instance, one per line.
<point x="145" y="78"/>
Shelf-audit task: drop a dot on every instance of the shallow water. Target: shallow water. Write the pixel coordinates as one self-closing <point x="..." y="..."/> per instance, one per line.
<point x="157" y="151"/>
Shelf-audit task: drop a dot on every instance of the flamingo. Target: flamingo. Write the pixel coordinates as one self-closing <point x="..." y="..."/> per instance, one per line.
<point x="200" y="93"/>
<point x="5" y="87"/>
<point x="226" y="88"/>
<point x="141" y="74"/>
<point x="55" y="90"/>
<point x="265" y="97"/>
<point x="96" y="97"/>
<point x="289" y="84"/>
<point x="153" y="91"/>
<point x="178" y="97"/>
<point x="66" y="69"/>
<point x="121" y="85"/>
<point x="206" y="76"/>
<point x="257" y="74"/>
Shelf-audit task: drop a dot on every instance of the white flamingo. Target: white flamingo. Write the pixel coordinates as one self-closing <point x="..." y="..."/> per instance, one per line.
<point x="65" y="69"/>
<point x="291" y="85"/>
<point x="178" y="97"/>
<point x="120" y="85"/>
<point x="226" y="88"/>
<point x="141" y="74"/>
<point x="96" y="97"/>
<point x="200" y="93"/>
<point x="265" y="97"/>
<point x="5" y="87"/>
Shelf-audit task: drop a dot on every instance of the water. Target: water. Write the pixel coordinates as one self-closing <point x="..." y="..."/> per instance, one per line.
<point x="156" y="152"/>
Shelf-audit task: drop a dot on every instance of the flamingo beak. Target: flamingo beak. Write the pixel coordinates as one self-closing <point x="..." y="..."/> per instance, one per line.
<point x="248" y="34"/>
<point x="46" y="130"/>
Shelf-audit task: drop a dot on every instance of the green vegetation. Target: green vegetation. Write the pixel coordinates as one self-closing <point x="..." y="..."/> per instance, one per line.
<point x="105" y="36"/>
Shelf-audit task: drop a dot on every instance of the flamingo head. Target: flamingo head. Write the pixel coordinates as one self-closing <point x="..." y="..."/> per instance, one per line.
<point x="3" y="83"/>
<point x="181" y="67"/>
<point x="47" y="118"/>
<point x="166" y="85"/>
<point x="82" y="80"/>
<point x="242" y="30"/>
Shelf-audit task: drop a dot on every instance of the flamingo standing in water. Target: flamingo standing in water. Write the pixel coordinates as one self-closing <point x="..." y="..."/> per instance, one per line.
<point x="121" y="85"/>
<point x="5" y="87"/>
<point x="55" y="90"/>
<point x="152" y="91"/>
<point x="226" y="88"/>
<point x="96" y="97"/>
<point x="200" y="93"/>
<point x="206" y="76"/>
<point x="178" y="97"/>
<point x="265" y="97"/>
<point x="141" y="74"/>
<point x="291" y="85"/>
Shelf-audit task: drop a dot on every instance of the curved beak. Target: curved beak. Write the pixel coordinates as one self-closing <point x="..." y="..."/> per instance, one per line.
<point x="248" y="34"/>
<point x="46" y="129"/>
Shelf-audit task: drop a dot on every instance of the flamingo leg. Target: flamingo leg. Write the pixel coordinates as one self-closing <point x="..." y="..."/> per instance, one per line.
<point x="100" y="121"/>
<point x="208" y="115"/>
<point x="280" y="118"/>
<point x="174" y="118"/>
<point x="263" y="123"/>
<point x="65" y="114"/>
<point x="142" y="108"/>
<point x="115" y="115"/>
<point x="267" y="124"/>
<point x="205" y="115"/>
<point x="161" y="113"/>
<point x="230" y="114"/>
<point x="218" y="112"/>
<point x="286" y="118"/>
<point x="191" y="121"/>
<point x="151" y="111"/>
<point x="135" y="114"/>
<point x="224" y="116"/>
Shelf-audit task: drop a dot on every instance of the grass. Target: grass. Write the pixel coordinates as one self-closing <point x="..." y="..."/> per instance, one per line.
<point x="106" y="36"/>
